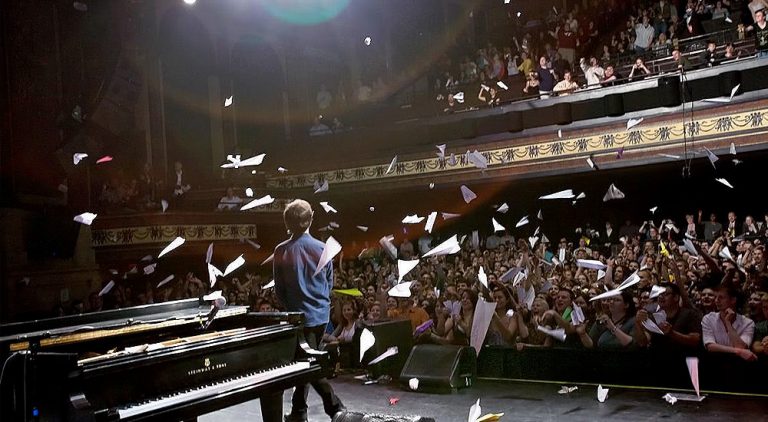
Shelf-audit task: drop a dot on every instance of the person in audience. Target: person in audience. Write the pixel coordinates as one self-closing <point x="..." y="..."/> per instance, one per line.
<point x="709" y="57"/>
<point x="566" y="86"/>
<point x="760" y="339"/>
<point x="730" y="53"/>
<point x="615" y="327"/>
<point x="639" y="70"/>
<point x="489" y="96"/>
<point x="681" y="326"/>
<point x="593" y="72"/>
<point x="530" y="335"/>
<point x="610" y="78"/>
<point x="458" y="328"/>
<point x="644" y="34"/>
<point x="319" y="128"/>
<point x="532" y="86"/>
<point x="726" y="331"/>
<point x="229" y="201"/>
<point x="760" y="28"/>
<point x="526" y="64"/>
<point x="546" y="75"/>
<point x="324" y="99"/>
<point x="680" y="61"/>
<point x="712" y="229"/>
<point x="503" y="328"/>
<point x="181" y="186"/>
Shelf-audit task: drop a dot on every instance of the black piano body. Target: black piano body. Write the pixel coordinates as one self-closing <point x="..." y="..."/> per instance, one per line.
<point x="152" y="363"/>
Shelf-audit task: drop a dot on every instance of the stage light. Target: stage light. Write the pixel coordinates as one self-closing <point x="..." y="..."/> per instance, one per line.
<point x="190" y="2"/>
<point x="367" y="41"/>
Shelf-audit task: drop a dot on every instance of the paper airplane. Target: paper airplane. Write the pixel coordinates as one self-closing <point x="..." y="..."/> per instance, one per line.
<point x="327" y="207"/>
<point x="331" y="249"/>
<point x="269" y="259"/>
<point x="237" y="263"/>
<point x="502" y="85"/>
<point x="656" y="290"/>
<point x="165" y="281"/>
<point x="523" y="221"/>
<point x="482" y="277"/>
<point x="653" y="210"/>
<point x="577" y="316"/>
<point x="78" y="156"/>
<point x="559" y="133"/>
<point x="496" y="226"/>
<point x="404" y="267"/>
<point x="104" y="159"/>
<point x="254" y="244"/>
<point x="173" y="245"/>
<point x="591" y="162"/>
<point x="712" y="156"/>
<point x="228" y="101"/>
<point x="725" y="253"/>
<point x="459" y="97"/>
<point x="736" y="162"/>
<point x="209" y="254"/>
<point x="449" y="215"/>
<point x="430" y="221"/>
<point x="467" y="194"/>
<point x="441" y="148"/>
<point x="590" y="263"/>
<point x="532" y="241"/>
<point x="149" y="269"/>
<point x="633" y="122"/>
<point x="563" y="194"/>
<point x="367" y="340"/>
<point x="85" y="218"/>
<point x="723" y="99"/>
<point x="503" y="208"/>
<point x="557" y="333"/>
<point x="362" y="228"/>
<point x="321" y="187"/>
<point x="450" y="246"/>
<point x="613" y="193"/>
<point x="282" y="169"/>
<point x="540" y="216"/>
<point x="431" y="185"/>
<point x="693" y="371"/>
<point x="401" y="290"/>
<point x="392" y="165"/>
<point x="107" y="288"/>
<point x="413" y="384"/>
<point x="733" y="149"/>
<point x="391" y="351"/>
<point x="265" y="200"/>
<point x="388" y="246"/>
<point x="602" y="393"/>
<point x="669" y="398"/>
<point x="725" y="182"/>
<point x="412" y="219"/>
<point x="652" y="327"/>
<point x="689" y="247"/>
<point x="567" y="390"/>
<point x="235" y="162"/>
<point x="474" y="412"/>
<point x="609" y="293"/>
<point x="477" y="159"/>
<point x="164" y="205"/>
<point x="581" y="196"/>
<point x="213" y="272"/>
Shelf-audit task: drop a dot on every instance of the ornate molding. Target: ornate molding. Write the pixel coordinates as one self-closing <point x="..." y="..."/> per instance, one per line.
<point x="669" y="133"/>
<point x="141" y="235"/>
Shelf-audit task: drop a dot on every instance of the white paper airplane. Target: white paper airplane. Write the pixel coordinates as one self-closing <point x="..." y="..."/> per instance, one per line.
<point x="237" y="263"/>
<point x="633" y="122"/>
<point x="173" y="245"/>
<point x="85" y="218"/>
<point x="563" y="194"/>
<point x="265" y="200"/>
<point x="331" y="249"/>
<point x="78" y="156"/>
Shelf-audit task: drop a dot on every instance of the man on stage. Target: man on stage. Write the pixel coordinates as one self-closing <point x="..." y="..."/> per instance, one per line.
<point x="295" y="261"/>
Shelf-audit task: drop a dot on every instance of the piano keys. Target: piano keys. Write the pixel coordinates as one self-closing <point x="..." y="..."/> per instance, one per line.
<point x="153" y="363"/>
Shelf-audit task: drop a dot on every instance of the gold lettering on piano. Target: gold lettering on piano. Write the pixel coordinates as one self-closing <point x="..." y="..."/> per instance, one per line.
<point x="208" y="366"/>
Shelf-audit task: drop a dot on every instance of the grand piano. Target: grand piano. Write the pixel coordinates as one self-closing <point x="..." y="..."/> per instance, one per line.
<point x="171" y="361"/>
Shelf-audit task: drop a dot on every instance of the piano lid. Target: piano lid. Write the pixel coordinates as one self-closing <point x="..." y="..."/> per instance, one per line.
<point x="119" y="322"/>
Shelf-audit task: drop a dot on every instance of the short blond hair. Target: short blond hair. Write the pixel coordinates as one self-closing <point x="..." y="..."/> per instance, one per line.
<point x="297" y="216"/>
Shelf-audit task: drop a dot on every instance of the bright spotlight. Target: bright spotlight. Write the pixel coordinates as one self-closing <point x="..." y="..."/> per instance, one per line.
<point x="190" y="2"/>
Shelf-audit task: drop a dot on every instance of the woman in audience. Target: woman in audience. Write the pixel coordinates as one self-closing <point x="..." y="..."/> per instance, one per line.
<point x="503" y="328"/>
<point x="458" y="328"/>
<point x="531" y="85"/>
<point x="529" y="332"/>
<point x="614" y="328"/>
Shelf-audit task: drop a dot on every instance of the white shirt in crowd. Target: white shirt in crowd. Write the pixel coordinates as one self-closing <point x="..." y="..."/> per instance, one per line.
<point x="713" y="329"/>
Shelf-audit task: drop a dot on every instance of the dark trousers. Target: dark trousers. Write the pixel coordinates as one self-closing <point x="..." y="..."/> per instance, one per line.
<point x="331" y="403"/>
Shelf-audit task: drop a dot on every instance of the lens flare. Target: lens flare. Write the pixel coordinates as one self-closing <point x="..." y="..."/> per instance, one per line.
<point x="305" y="12"/>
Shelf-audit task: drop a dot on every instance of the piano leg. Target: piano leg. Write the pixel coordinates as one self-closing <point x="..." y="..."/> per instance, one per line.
<point x="272" y="407"/>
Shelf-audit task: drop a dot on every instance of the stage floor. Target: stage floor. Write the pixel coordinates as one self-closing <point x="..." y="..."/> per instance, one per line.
<point x="519" y="401"/>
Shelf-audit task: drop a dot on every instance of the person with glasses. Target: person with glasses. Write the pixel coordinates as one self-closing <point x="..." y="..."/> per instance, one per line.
<point x="681" y="326"/>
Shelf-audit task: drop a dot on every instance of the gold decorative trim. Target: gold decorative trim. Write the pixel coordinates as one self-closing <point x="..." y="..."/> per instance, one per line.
<point x="666" y="134"/>
<point x="165" y="233"/>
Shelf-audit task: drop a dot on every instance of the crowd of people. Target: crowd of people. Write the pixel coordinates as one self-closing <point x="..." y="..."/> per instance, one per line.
<point x="694" y="287"/>
<point x="584" y="47"/>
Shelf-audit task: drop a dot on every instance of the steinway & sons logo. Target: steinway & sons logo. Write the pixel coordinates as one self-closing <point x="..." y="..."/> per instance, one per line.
<point x="207" y="367"/>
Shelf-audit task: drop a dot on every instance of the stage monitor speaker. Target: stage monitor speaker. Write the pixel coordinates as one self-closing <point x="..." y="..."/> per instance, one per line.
<point x="388" y="334"/>
<point x="669" y="91"/>
<point x="371" y="417"/>
<point x="440" y="368"/>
